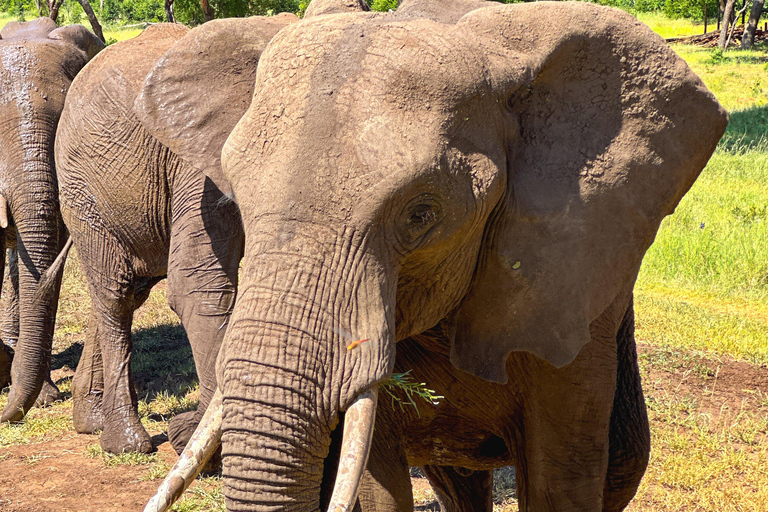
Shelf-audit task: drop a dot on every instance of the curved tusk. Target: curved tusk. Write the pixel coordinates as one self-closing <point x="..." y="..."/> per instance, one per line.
<point x="355" y="448"/>
<point x="201" y="446"/>
<point x="3" y="212"/>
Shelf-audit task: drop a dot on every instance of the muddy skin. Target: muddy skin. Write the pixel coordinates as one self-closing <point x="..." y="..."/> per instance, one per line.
<point x="37" y="64"/>
<point x="132" y="144"/>
<point x="502" y="184"/>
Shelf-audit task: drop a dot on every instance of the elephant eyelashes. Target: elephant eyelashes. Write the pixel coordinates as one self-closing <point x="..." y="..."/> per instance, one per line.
<point x="421" y="219"/>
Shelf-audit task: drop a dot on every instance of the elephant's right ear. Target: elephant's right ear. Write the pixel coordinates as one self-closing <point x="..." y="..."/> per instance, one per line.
<point x="81" y="37"/>
<point x="201" y="87"/>
<point x="604" y="139"/>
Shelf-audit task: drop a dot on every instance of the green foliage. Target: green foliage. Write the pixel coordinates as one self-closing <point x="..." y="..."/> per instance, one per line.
<point x="692" y="9"/>
<point x="411" y="390"/>
<point x="383" y="5"/>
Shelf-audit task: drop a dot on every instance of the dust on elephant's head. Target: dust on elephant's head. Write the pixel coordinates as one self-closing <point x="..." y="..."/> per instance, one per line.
<point x="510" y="171"/>
<point x="501" y="176"/>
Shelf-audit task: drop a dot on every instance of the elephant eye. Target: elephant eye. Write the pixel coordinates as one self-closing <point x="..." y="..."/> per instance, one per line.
<point x="422" y="215"/>
<point x="419" y="221"/>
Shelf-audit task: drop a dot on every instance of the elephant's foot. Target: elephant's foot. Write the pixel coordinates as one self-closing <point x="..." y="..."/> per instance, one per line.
<point x="48" y="394"/>
<point x="126" y="437"/>
<point x="181" y="428"/>
<point x="87" y="414"/>
<point x="6" y="358"/>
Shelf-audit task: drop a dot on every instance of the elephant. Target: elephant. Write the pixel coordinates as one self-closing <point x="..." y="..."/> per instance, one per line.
<point x="467" y="196"/>
<point x="139" y="208"/>
<point x="38" y="62"/>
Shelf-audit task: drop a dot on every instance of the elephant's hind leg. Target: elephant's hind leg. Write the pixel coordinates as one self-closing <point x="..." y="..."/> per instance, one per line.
<point x="109" y="346"/>
<point x="88" y="383"/>
<point x="461" y="490"/>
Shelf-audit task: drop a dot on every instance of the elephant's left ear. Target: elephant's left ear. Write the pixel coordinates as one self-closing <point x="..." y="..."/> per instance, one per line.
<point x="81" y="37"/>
<point x="201" y="87"/>
<point x="608" y="133"/>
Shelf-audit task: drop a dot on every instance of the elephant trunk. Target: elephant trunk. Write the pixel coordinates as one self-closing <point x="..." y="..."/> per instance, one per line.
<point x="39" y="238"/>
<point x="292" y="361"/>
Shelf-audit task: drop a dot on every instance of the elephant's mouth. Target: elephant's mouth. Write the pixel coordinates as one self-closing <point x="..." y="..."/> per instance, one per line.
<point x="355" y="448"/>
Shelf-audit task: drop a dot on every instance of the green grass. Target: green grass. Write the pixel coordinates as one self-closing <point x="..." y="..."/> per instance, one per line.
<point x="666" y="27"/>
<point x="704" y="282"/>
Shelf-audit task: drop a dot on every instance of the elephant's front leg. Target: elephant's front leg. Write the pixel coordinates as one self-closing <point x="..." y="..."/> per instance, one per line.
<point x="9" y="320"/>
<point x="461" y="489"/>
<point x="206" y="247"/>
<point x="563" y="451"/>
<point x="386" y="485"/>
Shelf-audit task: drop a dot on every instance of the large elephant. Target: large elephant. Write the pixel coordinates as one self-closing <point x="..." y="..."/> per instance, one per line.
<point x="467" y="196"/>
<point x="37" y="64"/>
<point x="140" y="123"/>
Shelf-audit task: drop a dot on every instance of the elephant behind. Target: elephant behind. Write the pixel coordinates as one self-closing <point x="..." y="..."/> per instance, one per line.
<point x="38" y="62"/>
<point x="468" y="196"/>
<point x="140" y="125"/>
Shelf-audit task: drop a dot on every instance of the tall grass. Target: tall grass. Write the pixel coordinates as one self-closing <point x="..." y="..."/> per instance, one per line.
<point x="704" y="282"/>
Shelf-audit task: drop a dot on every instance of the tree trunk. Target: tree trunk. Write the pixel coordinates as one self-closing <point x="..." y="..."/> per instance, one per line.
<point x="749" y="31"/>
<point x="53" y="8"/>
<point x="727" y="19"/>
<point x="169" y="11"/>
<point x="92" y="18"/>
<point x="207" y="11"/>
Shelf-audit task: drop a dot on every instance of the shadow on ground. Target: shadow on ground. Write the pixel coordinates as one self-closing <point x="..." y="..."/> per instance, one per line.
<point x="746" y="130"/>
<point x="162" y="361"/>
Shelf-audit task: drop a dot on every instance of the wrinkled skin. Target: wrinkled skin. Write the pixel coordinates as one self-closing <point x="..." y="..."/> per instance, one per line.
<point x="37" y="64"/>
<point x="479" y="196"/>
<point x="139" y="208"/>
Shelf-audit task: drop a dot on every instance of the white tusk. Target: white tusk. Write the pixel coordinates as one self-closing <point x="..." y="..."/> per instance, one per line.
<point x="201" y="446"/>
<point x="3" y="212"/>
<point x="355" y="448"/>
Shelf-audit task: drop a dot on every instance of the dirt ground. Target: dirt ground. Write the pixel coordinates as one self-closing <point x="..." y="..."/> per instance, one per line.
<point x="58" y="475"/>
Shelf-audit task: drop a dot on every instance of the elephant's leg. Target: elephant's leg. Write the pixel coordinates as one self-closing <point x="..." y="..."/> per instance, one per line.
<point x="562" y="449"/>
<point x="122" y="427"/>
<point x="6" y="352"/>
<point x="111" y="284"/>
<point x="206" y="245"/>
<point x="9" y="316"/>
<point x="460" y="489"/>
<point x="88" y="383"/>
<point x="630" y="437"/>
<point x="386" y="485"/>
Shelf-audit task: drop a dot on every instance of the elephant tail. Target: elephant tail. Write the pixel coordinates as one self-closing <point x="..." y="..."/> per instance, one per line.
<point x="48" y="279"/>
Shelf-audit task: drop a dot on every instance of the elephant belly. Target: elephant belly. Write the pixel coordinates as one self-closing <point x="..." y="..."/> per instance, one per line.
<point x="470" y="427"/>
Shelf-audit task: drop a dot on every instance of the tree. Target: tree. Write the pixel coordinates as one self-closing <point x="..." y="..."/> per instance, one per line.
<point x="95" y="25"/>
<point x="207" y="11"/>
<point x="53" y="8"/>
<point x="169" y="11"/>
<point x="748" y="39"/>
<point x="729" y="20"/>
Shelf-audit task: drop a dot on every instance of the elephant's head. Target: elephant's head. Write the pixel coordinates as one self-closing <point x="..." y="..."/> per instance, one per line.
<point x="503" y="176"/>
<point x="37" y="64"/>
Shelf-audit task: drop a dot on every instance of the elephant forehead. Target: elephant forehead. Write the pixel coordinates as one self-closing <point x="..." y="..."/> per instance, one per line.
<point x="354" y="97"/>
<point x="353" y="58"/>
